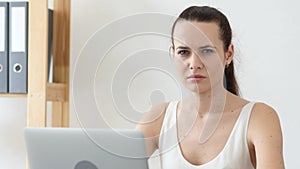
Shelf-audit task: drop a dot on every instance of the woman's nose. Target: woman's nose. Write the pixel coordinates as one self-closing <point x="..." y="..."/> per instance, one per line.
<point x="195" y="62"/>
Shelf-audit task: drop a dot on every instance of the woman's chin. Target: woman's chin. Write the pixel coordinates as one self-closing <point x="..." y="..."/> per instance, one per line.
<point x="197" y="89"/>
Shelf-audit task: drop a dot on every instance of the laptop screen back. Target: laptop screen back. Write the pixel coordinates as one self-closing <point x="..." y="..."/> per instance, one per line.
<point x="76" y="148"/>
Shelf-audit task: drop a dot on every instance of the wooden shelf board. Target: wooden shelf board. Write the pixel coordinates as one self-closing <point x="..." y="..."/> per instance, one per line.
<point x="56" y="92"/>
<point x="13" y="95"/>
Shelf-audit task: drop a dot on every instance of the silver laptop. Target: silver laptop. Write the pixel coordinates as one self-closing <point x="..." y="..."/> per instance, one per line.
<point x="76" y="148"/>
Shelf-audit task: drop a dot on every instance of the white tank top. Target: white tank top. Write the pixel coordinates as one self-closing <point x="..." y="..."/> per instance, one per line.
<point x="234" y="155"/>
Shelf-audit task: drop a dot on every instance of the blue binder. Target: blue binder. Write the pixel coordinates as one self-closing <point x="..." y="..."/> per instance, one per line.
<point x="18" y="46"/>
<point x="3" y="47"/>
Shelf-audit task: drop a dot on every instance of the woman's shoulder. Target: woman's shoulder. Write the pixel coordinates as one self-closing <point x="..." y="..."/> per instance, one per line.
<point x="152" y="120"/>
<point x="264" y="122"/>
<point x="151" y="124"/>
<point x="265" y="134"/>
<point x="156" y="112"/>
<point x="259" y="109"/>
<point x="262" y="111"/>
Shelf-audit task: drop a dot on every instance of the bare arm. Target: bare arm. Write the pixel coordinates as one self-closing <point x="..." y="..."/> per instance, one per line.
<point x="266" y="136"/>
<point x="151" y="125"/>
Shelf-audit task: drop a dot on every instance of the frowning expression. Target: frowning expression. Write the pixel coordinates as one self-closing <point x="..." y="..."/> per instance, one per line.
<point x="199" y="54"/>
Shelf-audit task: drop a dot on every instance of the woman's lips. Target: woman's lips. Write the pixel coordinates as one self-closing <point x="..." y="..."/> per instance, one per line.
<point x="196" y="77"/>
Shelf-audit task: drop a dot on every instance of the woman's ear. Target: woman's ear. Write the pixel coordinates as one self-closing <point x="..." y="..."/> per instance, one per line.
<point x="229" y="54"/>
<point x="171" y="51"/>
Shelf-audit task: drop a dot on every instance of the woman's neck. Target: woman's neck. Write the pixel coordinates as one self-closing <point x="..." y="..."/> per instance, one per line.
<point x="212" y="101"/>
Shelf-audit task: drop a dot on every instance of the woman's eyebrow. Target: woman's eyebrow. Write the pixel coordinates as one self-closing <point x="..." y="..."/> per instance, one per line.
<point x="182" y="47"/>
<point x="206" y="46"/>
<point x="201" y="47"/>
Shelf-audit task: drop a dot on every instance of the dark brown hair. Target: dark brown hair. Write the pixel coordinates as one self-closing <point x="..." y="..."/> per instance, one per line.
<point x="210" y="14"/>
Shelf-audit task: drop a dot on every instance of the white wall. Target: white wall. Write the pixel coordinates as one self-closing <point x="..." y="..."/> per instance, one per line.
<point x="266" y="35"/>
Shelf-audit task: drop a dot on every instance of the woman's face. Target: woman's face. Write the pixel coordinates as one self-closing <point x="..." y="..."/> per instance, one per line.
<point x="199" y="55"/>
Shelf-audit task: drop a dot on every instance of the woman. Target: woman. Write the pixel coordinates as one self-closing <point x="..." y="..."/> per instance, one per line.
<point x="213" y="127"/>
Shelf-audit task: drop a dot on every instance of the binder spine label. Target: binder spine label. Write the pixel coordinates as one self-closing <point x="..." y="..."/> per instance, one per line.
<point x="3" y="47"/>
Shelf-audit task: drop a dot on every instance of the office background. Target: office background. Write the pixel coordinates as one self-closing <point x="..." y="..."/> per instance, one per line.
<point x="265" y="34"/>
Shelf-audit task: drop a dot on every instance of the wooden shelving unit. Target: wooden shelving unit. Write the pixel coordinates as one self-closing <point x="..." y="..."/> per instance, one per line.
<point x="39" y="91"/>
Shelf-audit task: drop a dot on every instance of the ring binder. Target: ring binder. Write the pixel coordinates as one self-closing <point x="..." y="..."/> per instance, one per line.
<point x="18" y="35"/>
<point x="3" y="47"/>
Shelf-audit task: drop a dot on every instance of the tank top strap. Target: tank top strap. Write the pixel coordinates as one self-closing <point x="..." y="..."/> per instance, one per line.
<point x="168" y="135"/>
<point x="237" y="143"/>
<point x="242" y="122"/>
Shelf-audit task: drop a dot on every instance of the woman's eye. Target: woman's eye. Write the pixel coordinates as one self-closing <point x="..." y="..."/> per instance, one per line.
<point x="207" y="51"/>
<point x="183" y="52"/>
